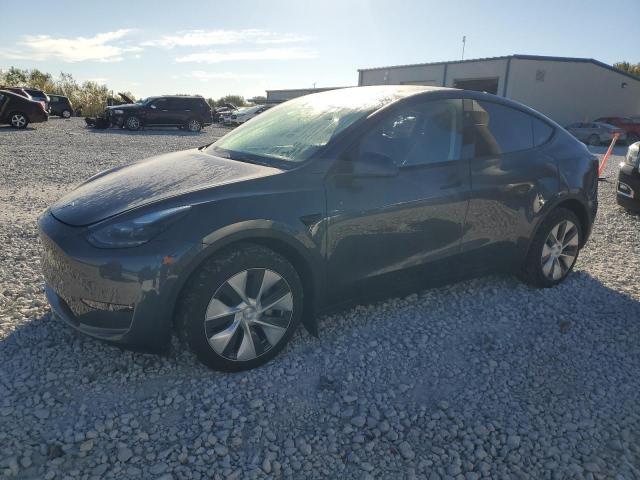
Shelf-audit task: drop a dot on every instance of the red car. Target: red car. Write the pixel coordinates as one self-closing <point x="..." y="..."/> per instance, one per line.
<point x="630" y="126"/>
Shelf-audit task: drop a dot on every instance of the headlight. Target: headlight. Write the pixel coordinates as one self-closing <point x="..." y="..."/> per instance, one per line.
<point x="633" y="155"/>
<point x="134" y="232"/>
<point x="118" y="112"/>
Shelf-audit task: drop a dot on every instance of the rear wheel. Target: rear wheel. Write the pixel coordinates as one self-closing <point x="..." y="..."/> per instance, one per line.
<point x="240" y="308"/>
<point x="554" y="249"/>
<point x="133" y="123"/>
<point x="66" y="114"/>
<point x="194" y="125"/>
<point x="18" y="120"/>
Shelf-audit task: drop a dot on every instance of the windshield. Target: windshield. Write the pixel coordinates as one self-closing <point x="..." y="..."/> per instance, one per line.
<point x="293" y="131"/>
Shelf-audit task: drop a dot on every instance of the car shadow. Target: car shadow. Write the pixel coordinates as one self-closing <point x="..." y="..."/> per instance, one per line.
<point x="10" y="129"/>
<point x="542" y="349"/>
<point x="147" y="131"/>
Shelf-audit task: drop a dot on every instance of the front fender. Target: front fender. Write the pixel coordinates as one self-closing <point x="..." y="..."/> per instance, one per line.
<point x="295" y="245"/>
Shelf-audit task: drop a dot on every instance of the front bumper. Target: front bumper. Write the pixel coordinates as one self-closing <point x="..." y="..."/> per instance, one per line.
<point x="126" y="296"/>
<point x="628" y="188"/>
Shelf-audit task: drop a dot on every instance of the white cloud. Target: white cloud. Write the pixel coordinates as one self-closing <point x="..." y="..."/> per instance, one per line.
<point x="103" y="47"/>
<point x="264" y="54"/>
<point x="206" y="76"/>
<point x="207" y="38"/>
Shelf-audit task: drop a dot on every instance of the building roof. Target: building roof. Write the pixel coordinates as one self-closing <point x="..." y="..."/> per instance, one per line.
<point x="516" y="56"/>
<point x="310" y="89"/>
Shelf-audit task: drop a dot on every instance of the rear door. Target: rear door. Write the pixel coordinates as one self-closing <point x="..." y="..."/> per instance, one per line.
<point x="511" y="178"/>
<point x="182" y="109"/>
<point x="381" y="225"/>
<point x="4" y="100"/>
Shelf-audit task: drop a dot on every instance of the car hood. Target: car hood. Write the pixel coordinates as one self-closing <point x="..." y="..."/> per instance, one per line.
<point x="124" y="188"/>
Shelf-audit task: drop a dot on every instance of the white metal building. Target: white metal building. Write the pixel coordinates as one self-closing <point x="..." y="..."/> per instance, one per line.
<point x="279" y="96"/>
<point x="565" y="89"/>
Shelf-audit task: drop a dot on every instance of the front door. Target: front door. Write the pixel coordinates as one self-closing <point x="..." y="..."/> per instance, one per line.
<point x="381" y="225"/>
<point x="159" y="112"/>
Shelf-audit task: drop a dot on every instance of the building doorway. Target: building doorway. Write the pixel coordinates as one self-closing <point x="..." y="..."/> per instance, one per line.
<point x="489" y="85"/>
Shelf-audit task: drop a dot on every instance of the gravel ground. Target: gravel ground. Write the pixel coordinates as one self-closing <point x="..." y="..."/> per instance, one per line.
<point x="494" y="380"/>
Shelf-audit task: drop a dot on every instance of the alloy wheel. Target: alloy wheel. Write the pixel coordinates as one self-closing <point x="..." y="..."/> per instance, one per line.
<point x="194" y="126"/>
<point x="248" y="314"/>
<point x="66" y="114"/>
<point x="560" y="250"/>
<point x="18" y="120"/>
<point x="133" y="123"/>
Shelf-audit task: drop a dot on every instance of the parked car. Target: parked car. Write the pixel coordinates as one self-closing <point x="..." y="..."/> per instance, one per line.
<point x="17" y="90"/>
<point x="60" y="106"/>
<point x="19" y="111"/>
<point x="595" y="133"/>
<point x="628" y="187"/>
<point x="38" y="95"/>
<point x="218" y="111"/>
<point x="240" y="116"/>
<point x="192" y="113"/>
<point x="628" y="125"/>
<point x="316" y="201"/>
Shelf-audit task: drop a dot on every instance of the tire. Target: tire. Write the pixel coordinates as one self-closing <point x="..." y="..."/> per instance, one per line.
<point x="221" y="341"/>
<point x="133" y="123"/>
<point x="18" y="120"/>
<point x="549" y="263"/>
<point x="194" y="125"/>
<point x="593" y="140"/>
<point x="66" y="114"/>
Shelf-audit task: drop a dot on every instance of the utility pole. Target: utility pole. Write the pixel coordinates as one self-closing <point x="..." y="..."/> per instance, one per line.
<point x="464" y="41"/>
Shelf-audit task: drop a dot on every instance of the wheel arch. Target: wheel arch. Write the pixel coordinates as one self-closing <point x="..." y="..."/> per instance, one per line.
<point x="573" y="204"/>
<point x="286" y="245"/>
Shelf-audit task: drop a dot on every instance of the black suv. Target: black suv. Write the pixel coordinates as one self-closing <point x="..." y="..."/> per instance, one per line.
<point x="191" y="113"/>
<point x="628" y="188"/>
<point x="60" y="106"/>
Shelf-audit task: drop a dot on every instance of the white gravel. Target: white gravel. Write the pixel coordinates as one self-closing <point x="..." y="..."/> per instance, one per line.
<point x="482" y="379"/>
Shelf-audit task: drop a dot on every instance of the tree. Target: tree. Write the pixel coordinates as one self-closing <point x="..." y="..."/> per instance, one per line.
<point x="258" y="100"/>
<point x="236" y="100"/>
<point x="14" y="77"/>
<point x="628" y="67"/>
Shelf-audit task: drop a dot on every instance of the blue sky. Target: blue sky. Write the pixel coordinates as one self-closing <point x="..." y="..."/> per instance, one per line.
<point x="245" y="47"/>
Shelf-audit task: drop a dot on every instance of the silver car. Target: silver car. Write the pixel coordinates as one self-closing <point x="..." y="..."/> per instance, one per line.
<point x="595" y="133"/>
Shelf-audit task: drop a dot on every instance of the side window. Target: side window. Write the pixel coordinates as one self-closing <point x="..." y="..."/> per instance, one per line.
<point x="498" y="129"/>
<point x="1" y="99"/>
<point x="418" y="135"/>
<point x="160" y="104"/>
<point x="541" y="132"/>
<point x="54" y="99"/>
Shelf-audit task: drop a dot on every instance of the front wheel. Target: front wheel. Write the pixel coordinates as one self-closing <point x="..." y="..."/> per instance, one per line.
<point x="133" y="123"/>
<point x="18" y="120"/>
<point x="554" y="249"/>
<point x="240" y="308"/>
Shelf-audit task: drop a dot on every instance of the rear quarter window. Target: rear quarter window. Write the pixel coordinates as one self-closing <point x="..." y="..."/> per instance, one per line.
<point x="500" y="129"/>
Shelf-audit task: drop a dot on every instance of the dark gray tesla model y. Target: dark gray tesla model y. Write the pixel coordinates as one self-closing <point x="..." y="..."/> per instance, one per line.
<point x="323" y="199"/>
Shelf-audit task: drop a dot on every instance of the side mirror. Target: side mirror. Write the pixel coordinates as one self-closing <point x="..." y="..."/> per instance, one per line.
<point x="371" y="164"/>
